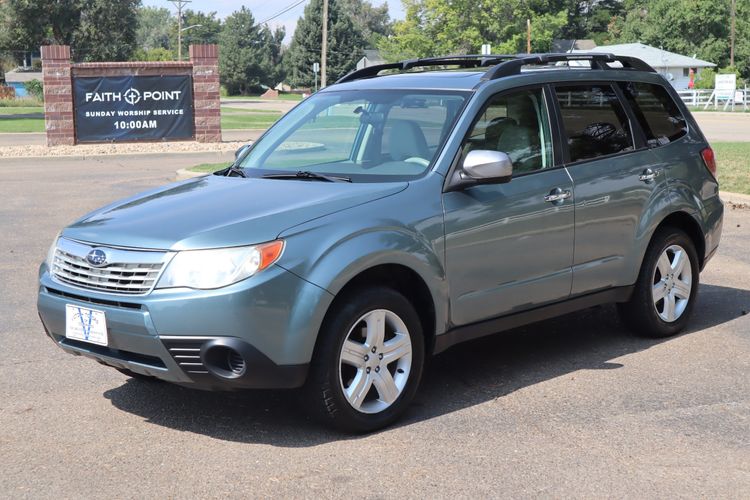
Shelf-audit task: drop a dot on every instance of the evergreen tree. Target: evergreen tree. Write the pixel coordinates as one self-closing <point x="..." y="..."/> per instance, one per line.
<point x="250" y="54"/>
<point x="345" y="44"/>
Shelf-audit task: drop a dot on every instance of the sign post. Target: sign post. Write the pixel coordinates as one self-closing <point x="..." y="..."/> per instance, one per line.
<point x="316" y="70"/>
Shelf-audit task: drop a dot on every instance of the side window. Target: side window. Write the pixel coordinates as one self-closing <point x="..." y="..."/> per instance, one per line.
<point x="595" y="121"/>
<point x="516" y="124"/>
<point x="659" y="116"/>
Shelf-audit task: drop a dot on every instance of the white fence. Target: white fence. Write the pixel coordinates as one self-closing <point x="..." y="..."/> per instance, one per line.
<point x="707" y="98"/>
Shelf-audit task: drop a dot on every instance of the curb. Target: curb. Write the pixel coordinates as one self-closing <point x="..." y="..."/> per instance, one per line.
<point x="183" y="174"/>
<point x="737" y="198"/>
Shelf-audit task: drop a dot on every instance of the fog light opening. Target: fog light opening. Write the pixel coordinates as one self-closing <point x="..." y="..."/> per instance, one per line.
<point x="224" y="362"/>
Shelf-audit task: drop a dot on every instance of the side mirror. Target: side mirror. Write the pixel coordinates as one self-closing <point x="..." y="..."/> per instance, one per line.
<point x="240" y="151"/>
<point x="482" y="166"/>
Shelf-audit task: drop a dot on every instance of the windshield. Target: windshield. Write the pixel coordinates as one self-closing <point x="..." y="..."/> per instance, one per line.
<point x="363" y="135"/>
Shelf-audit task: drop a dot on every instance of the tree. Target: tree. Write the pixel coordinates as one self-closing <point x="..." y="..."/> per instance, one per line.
<point x="345" y="44"/>
<point x="440" y="27"/>
<point x="154" y="28"/>
<point x="207" y="30"/>
<point x="250" y="54"/>
<point x="373" y="22"/>
<point x="95" y="29"/>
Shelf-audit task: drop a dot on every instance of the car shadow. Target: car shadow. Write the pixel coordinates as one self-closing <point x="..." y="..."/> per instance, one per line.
<point x="466" y="375"/>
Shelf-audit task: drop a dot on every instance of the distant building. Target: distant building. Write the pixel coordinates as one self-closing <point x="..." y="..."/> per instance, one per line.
<point x="371" y="58"/>
<point x="562" y="46"/>
<point x="674" y="67"/>
<point x="16" y="79"/>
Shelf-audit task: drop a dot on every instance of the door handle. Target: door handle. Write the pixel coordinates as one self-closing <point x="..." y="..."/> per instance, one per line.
<point x="557" y="195"/>
<point x="649" y="175"/>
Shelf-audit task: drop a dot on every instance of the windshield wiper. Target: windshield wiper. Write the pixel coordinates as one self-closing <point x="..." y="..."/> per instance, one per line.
<point x="306" y="174"/>
<point x="234" y="169"/>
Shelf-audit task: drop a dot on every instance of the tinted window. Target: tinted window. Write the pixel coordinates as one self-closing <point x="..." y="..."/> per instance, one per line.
<point x="516" y="124"/>
<point x="594" y="120"/>
<point x="659" y="116"/>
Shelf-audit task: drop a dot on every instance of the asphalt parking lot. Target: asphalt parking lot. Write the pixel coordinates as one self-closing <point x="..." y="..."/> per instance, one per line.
<point x="571" y="407"/>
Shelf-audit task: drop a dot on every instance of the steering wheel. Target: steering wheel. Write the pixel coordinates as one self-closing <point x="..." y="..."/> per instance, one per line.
<point x="419" y="161"/>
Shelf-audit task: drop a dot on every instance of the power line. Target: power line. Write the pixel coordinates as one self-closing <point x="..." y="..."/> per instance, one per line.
<point x="283" y="11"/>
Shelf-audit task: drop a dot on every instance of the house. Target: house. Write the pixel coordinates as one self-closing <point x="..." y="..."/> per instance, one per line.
<point x="560" y="46"/>
<point x="675" y="67"/>
<point x="371" y="58"/>
<point x="17" y="78"/>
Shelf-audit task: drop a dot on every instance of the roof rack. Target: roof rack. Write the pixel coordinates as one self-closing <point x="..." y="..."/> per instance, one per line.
<point x="598" y="60"/>
<point x="464" y="61"/>
<point x="502" y="65"/>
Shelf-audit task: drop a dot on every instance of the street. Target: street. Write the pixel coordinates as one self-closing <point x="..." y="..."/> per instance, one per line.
<point x="570" y="407"/>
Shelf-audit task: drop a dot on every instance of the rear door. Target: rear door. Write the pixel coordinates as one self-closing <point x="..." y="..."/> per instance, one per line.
<point x="616" y="181"/>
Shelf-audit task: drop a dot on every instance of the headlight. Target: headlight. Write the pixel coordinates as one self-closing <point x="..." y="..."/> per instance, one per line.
<point x="207" y="269"/>
<point x="51" y="253"/>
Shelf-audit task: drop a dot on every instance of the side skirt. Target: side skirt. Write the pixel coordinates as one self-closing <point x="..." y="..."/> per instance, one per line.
<point x="488" y="327"/>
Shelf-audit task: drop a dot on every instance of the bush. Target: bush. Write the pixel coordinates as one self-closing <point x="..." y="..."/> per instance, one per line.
<point x="707" y="77"/>
<point x="157" y="54"/>
<point x="35" y="89"/>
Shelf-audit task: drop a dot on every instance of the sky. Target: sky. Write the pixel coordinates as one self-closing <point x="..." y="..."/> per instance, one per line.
<point x="263" y="9"/>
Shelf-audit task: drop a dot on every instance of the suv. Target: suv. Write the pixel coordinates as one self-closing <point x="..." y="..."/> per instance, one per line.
<point x="388" y="217"/>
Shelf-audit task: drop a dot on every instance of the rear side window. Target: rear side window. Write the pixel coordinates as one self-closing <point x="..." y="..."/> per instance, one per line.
<point x="659" y="116"/>
<point x="595" y="121"/>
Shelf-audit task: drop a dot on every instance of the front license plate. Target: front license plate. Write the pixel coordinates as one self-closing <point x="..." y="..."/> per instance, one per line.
<point x="88" y="325"/>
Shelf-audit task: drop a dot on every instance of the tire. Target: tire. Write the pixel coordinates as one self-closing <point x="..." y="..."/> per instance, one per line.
<point x="670" y="269"/>
<point x="371" y="383"/>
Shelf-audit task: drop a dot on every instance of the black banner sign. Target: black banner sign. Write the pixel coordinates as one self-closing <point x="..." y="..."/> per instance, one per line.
<point x="132" y="108"/>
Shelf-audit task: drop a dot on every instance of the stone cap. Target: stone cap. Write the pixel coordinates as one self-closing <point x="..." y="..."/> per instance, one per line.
<point x="207" y="51"/>
<point x="52" y="52"/>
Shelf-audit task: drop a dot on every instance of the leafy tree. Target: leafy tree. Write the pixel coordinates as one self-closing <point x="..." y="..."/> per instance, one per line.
<point x="95" y="29"/>
<point x="373" y="22"/>
<point x="250" y="54"/>
<point x="345" y="44"/>
<point x="439" y="27"/>
<point x="207" y="29"/>
<point x="157" y="54"/>
<point x="153" y="31"/>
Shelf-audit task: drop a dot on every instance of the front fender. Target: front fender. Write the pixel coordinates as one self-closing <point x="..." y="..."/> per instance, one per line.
<point x="329" y="252"/>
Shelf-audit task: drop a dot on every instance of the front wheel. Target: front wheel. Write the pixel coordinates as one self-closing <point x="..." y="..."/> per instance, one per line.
<point x="368" y="362"/>
<point x="665" y="292"/>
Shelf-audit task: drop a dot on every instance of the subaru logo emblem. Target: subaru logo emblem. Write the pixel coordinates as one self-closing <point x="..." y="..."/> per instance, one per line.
<point x="96" y="257"/>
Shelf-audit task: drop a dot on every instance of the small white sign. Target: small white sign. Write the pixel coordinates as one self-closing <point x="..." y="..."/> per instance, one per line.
<point x="316" y="67"/>
<point x="87" y="325"/>
<point x="725" y="85"/>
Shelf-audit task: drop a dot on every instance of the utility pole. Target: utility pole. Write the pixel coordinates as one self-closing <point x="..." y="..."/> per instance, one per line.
<point x="179" y="4"/>
<point x="528" y="36"/>
<point x="324" y="46"/>
<point x="731" y="45"/>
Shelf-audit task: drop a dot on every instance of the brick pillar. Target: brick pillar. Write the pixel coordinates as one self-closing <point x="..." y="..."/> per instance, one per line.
<point x="58" y="95"/>
<point x="206" y="98"/>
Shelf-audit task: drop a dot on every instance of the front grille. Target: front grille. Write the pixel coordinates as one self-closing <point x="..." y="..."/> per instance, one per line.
<point x="129" y="272"/>
<point x="186" y="354"/>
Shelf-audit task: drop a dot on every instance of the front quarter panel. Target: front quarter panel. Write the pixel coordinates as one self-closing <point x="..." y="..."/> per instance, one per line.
<point x="404" y="229"/>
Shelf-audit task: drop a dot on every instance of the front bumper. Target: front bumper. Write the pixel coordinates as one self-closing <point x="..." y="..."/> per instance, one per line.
<point x="271" y="320"/>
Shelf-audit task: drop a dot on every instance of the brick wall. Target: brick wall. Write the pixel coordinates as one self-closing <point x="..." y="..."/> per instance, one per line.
<point x="58" y="95"/>
<point x="57" y="72"/>
<point x="205" y="59"/>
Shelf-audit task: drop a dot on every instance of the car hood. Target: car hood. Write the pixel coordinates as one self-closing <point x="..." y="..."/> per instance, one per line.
<point x="215" y="211"/>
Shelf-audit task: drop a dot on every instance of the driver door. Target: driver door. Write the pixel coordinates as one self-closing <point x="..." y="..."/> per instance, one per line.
<point x="509" y="247"/>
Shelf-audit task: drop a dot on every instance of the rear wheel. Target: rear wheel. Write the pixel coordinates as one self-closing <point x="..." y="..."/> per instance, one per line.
<point x="665" y="292"/>
<point x="369" y="360"/>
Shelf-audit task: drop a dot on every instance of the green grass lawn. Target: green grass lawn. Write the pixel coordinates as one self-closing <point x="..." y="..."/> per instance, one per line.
<point x="208" y="167"/>
<point x="248" y="120"/>
<point x="21" y="125"/>
<point x="282" y="97"/>
<point x="733" y="163"/>
<point x="21" y="110"/>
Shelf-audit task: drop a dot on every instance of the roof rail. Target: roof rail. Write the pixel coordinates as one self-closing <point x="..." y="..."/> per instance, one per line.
<point x="598" y="60"/>
<point x="464" y="61"/>
<point x="501" y="64"/>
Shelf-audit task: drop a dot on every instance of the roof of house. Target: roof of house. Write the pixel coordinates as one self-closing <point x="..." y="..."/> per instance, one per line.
<point x="653" y="56"/>
<point x="13" y="76"/>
